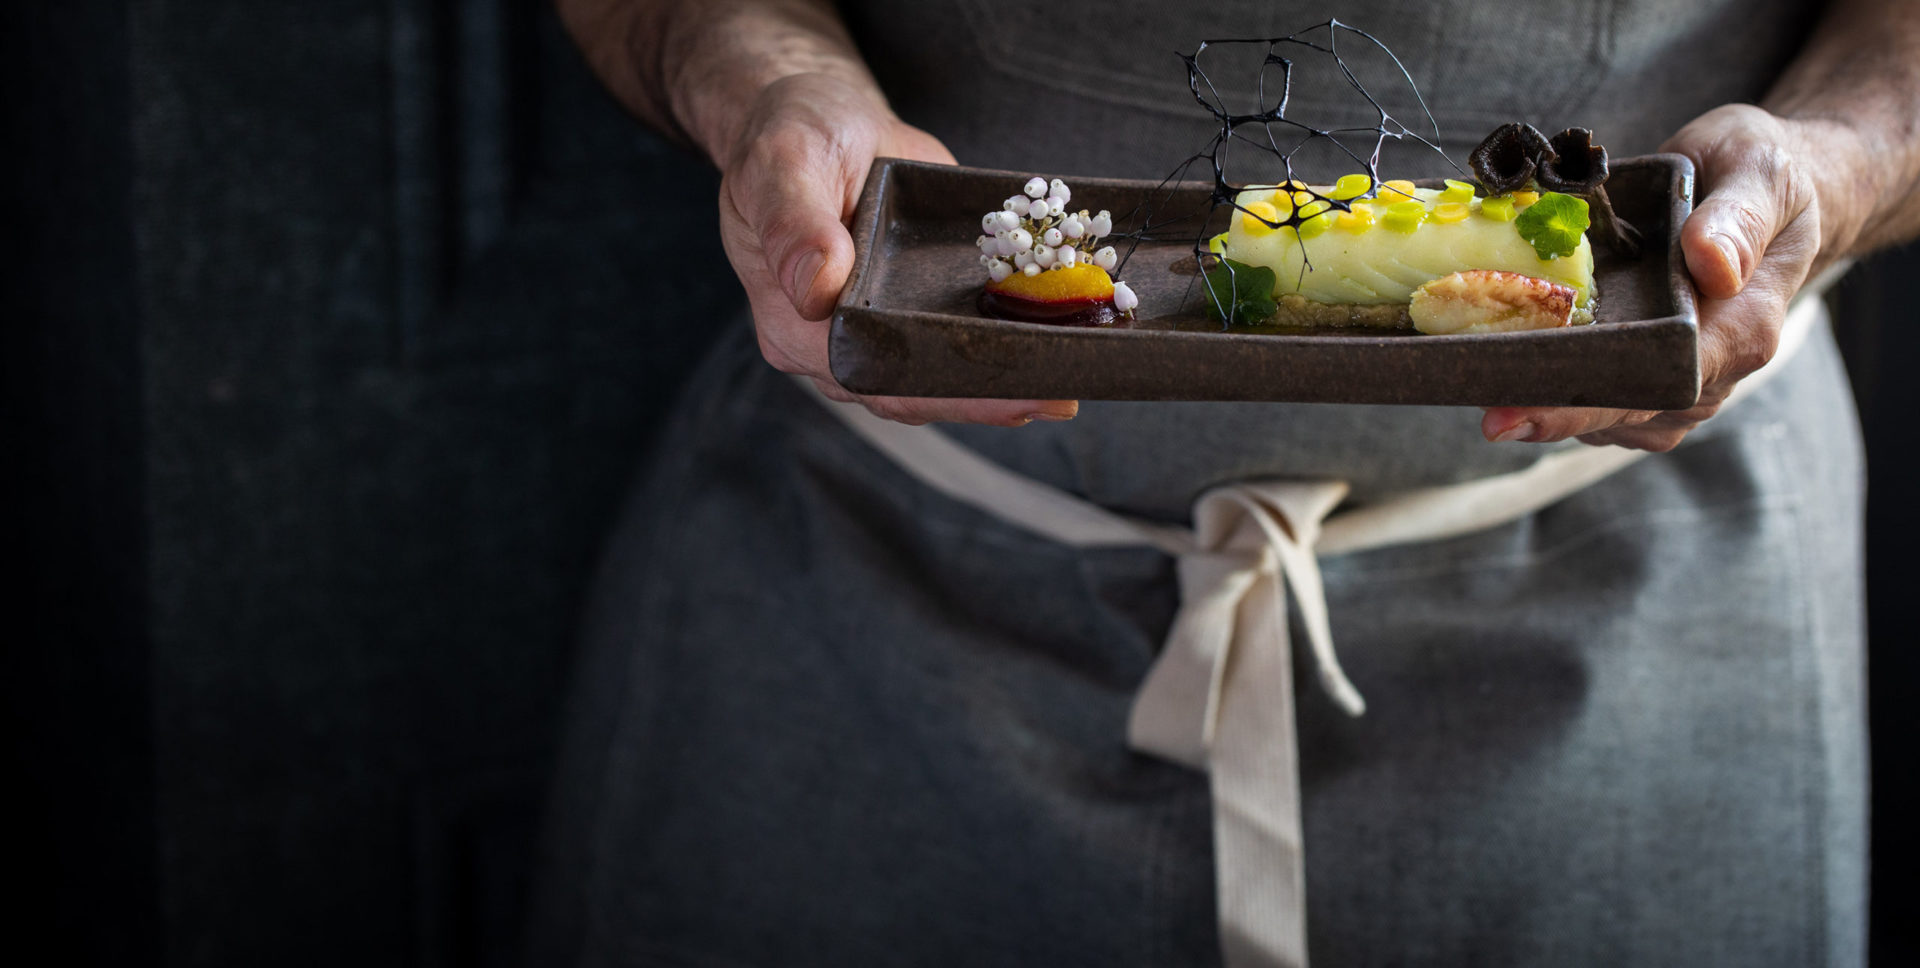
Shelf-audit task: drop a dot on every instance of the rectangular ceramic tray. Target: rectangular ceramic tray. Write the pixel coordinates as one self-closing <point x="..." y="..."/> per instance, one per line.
<point x="906" y="323"/>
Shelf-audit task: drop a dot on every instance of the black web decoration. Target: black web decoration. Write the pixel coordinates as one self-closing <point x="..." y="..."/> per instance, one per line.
<point x="1274" y="137"/>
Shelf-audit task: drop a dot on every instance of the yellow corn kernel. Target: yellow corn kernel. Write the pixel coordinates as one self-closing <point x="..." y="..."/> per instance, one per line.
<point x="1400" y="185"/>
<point x="1404" y="217"/>
<point x="1447" y="212"/>
<point x="1356" y="221"/>
<point x="1259" y="218"/>
<point x="1350" y="186"/>
<point x="1457" y="191"/>
<point x="1523" y="199"/>
<point x="1312" y="207"/>
<point x="1498" y="207"/>
<point x="1315" y="225"/>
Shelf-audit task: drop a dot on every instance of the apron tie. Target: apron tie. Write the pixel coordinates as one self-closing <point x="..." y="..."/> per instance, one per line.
<point x="1220" y="700"/>
<point x="1251" y="542"/>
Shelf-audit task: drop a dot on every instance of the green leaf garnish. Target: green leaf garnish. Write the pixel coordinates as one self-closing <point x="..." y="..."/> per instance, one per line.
<point x="1554" y="224"/>
<point x="1240" y="293"/>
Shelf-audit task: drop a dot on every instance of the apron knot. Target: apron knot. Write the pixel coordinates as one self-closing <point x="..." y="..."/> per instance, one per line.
<point x="1251" y="543"/>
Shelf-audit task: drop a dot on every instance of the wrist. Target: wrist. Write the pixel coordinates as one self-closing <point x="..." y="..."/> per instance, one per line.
<point x="1849" y="172"/>
<point x="719" y="68"/>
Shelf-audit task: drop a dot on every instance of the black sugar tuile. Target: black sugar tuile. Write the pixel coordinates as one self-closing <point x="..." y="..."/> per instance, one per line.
<point x="1302" y="43"/>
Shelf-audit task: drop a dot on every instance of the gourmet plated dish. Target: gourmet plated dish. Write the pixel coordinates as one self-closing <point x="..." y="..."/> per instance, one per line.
<point x="1042" y="264"/>
<point x="1283" y="258"/>
<point x="1507" y="252"/>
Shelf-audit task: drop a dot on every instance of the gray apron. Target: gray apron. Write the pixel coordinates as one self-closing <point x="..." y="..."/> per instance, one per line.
<point x="828" y="716"/>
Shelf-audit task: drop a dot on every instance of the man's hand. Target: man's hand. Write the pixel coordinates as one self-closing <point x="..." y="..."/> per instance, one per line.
<point x="775" y="92"/>
<point x="789" y="185"/>
<point x="1749" y="245"/>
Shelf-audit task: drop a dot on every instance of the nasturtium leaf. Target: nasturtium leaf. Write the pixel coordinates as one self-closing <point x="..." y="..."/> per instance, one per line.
<point x="1240" y="293"/>
<point x="1554" y="224"/>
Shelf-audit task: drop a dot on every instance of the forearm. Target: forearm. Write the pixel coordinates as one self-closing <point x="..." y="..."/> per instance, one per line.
<point x="692" y="68"/>
<point x="1856" y="85"/>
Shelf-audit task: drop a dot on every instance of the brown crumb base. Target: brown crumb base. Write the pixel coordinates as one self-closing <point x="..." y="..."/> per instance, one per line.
<point x="1298" y="310"/>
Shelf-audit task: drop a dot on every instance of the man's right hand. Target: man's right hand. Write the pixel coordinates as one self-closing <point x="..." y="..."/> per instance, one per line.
<point x="790" y="183"/>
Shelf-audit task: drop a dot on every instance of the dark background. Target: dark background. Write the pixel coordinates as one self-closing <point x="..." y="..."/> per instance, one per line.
<point x="333" y="334"/>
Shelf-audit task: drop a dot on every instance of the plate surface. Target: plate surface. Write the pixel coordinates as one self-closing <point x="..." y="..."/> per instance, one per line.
<point x="906" y="323"/>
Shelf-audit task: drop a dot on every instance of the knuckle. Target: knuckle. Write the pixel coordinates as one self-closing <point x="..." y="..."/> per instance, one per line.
<point x="894" y="409"/>
<point x="776" y="355"/>
<point x="1754" y="351"/>
<point x="832" y="390"/>
<point x="1663" y="442"/>
<point x="1697" y="414"/>
<point x="1772" y="161"/>
<point x="783" y="143"/>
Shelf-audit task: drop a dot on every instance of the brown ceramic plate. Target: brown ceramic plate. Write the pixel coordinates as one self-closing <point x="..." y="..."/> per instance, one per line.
<point x="906" y="323"/>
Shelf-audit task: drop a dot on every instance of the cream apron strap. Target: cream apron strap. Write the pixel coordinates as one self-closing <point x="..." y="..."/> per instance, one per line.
<point x="1227" y="659"/>
<point x="951" y="469"/>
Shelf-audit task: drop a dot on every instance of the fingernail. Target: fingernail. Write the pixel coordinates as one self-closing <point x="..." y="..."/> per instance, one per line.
<point x="803" y="273"/>
<point x="1520" y="431"/>
<point x="1056" y="415"/>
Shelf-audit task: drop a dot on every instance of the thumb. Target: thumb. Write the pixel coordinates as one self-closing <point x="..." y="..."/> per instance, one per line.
<point x="1726" y="236"/>
<point x="1751" y="196"/>
<point x="796" y="210"/>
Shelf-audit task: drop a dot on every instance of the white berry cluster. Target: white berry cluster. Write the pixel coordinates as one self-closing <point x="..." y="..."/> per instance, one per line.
<point x="1033" y="232"/>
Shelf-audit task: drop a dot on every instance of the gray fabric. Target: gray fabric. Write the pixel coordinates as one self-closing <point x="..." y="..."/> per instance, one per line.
<point x="827" y="717"/>
<point x="830" y="718"/>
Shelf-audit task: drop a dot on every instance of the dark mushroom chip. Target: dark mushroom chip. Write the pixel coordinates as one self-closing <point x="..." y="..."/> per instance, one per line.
<point x="1509" y="157"/>
<point x="1574" y="164"/>
<point x="1577" y="166"/>
<point x="1570" y="163"/>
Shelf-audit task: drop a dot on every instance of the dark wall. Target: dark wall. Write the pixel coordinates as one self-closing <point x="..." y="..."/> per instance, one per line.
<point x="340" y="330"/>
<point x="1880" y="336"/>
<point x="345" y="326"/>
<point x="77" y="691"/>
